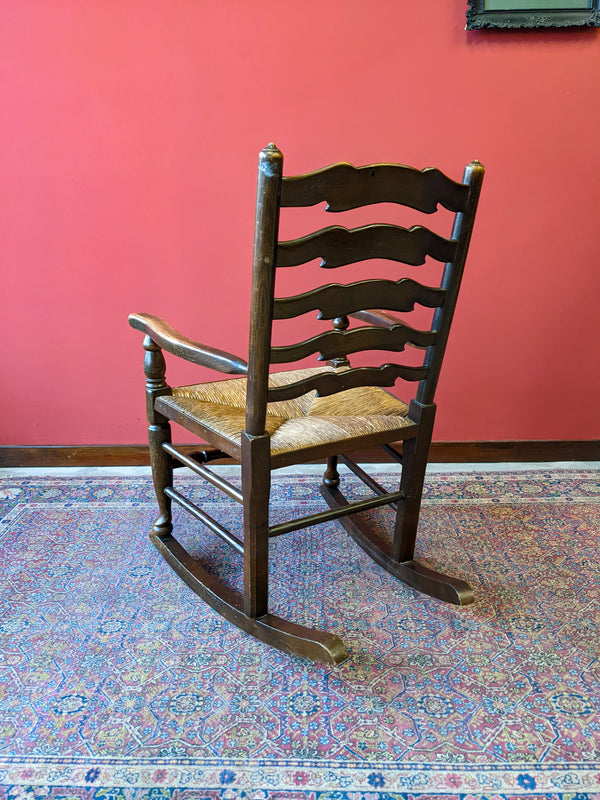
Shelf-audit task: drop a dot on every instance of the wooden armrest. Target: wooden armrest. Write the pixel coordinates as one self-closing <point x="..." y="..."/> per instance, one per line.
<point x="173" y="342"/>
<point x="380" y="318"/>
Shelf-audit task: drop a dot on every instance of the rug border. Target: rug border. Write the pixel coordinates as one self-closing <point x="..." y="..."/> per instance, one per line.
<point x="323" y="776"/>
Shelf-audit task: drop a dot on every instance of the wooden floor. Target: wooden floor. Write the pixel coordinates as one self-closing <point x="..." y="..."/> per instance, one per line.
<point x="441" y="452"/>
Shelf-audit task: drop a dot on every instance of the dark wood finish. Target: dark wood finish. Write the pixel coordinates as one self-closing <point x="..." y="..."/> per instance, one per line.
<point x="367" y="479"/>
<point x="331" y="476"/>
<point x="137" y="455"/>
<point x="335" y="343"/>
<point x="515" y="451"/>
<point x="415" y="452"/>
<point x="435" y="584"/>
<point x="208" y="475"/>
<point x="451" y="280"/>
<point x="200" y="456"/>
<point x="211" y="523"/>
<point x="159" y="433"/>
<point x="337" y="246"/>
<point x="256" y="486"/>
<point x="339" y="324"/>
<point x="394" y="454"/>
<point x="270" y="167"/>
<point x="330" y="383"/>
<point x="291" y="638"/>
<point x="343" y="186"/>
<point x="167" y="338"/>
<point x="356" y="507"/>
<point x="51" y="456"/>
<point x="334" y="299"/>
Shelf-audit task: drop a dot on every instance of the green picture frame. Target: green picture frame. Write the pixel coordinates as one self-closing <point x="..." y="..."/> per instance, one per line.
<point x="532" y="14"/>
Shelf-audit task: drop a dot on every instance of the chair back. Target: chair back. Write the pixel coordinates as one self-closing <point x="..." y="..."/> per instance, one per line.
<point x="344" y="187"/>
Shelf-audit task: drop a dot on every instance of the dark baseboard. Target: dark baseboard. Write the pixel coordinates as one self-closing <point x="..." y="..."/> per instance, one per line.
<point x="449" y="452"/>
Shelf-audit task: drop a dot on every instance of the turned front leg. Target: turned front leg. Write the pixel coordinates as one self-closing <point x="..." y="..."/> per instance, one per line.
<point x="159" y="432"/>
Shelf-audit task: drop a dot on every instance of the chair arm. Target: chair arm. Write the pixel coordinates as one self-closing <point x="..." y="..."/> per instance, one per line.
<point x="380" y="318"/>
<point x="173" y="342"/>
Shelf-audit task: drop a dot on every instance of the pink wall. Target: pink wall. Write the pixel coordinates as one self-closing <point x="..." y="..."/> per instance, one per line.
<point x="125" y="122"/>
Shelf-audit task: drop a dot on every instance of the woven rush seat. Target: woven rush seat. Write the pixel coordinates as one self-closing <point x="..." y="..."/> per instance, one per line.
<point x="308" y="421"/>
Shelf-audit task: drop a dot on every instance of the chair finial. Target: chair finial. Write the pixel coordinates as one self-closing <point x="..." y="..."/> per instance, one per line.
<point x="270" y="160"/>
<point x="271" y="148"/>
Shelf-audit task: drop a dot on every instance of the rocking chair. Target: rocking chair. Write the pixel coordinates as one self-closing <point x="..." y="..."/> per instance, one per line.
<point x="269" y="419"/>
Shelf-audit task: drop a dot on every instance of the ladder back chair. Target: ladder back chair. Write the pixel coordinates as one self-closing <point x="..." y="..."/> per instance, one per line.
<point x="265" y="418"/>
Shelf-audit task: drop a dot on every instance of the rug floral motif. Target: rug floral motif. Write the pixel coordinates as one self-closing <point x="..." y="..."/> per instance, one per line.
<point x="117" y="682"/>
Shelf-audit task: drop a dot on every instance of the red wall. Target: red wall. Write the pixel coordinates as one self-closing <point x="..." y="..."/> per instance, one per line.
<point x="126" y="123"/>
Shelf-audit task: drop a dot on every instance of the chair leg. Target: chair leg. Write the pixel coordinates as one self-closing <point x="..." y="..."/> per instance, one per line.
<point x="415" y="453"/>
<point x="162" y="476"/>
<point x="256" y="488"/>
<point x="331" y="476"/>
<point x="414" y="464"/>
<point x="398" y="559"/>
<point x="248" y="609"/>
<point x="159" y="431"/>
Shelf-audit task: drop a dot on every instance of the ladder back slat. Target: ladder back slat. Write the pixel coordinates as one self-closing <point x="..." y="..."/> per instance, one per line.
<point x="335" y="299"/>
<point x="343" y="186"/>
<point x="340" y="343"/>
<point x="327" y="383"/>
<point x="338" y="246"/>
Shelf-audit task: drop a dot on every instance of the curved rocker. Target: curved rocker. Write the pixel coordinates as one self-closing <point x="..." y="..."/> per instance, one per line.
<point x="273" y="630"/>
<point x="435" y="584"/>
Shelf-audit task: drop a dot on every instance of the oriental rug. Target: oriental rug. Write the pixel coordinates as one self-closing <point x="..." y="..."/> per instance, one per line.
<point x="117" y="682"/>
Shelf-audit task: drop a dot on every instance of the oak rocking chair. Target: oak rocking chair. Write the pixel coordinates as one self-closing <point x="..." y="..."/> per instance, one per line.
<point x="268" y="419"/>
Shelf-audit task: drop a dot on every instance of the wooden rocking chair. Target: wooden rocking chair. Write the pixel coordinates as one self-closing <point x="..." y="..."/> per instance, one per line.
<point x="266" y="420"/>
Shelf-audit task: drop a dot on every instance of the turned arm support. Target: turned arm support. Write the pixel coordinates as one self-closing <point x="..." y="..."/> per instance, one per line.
<point x="173" y="342"/>
<point x="380" y="318"/>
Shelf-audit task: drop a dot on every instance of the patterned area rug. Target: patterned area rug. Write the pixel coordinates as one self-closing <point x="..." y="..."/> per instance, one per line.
<point x="117" y="682"/>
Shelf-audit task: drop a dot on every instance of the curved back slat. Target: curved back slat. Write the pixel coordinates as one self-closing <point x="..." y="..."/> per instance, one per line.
<point x="326" y="383"/>
<point x="338" y="246"/>
<point x="343" y="186"/>
<point x="337" y="343"/>
<point x="335" y="299"/>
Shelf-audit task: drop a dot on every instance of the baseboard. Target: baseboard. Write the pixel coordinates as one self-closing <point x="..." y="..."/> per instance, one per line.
<point x="449" y="452"/>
